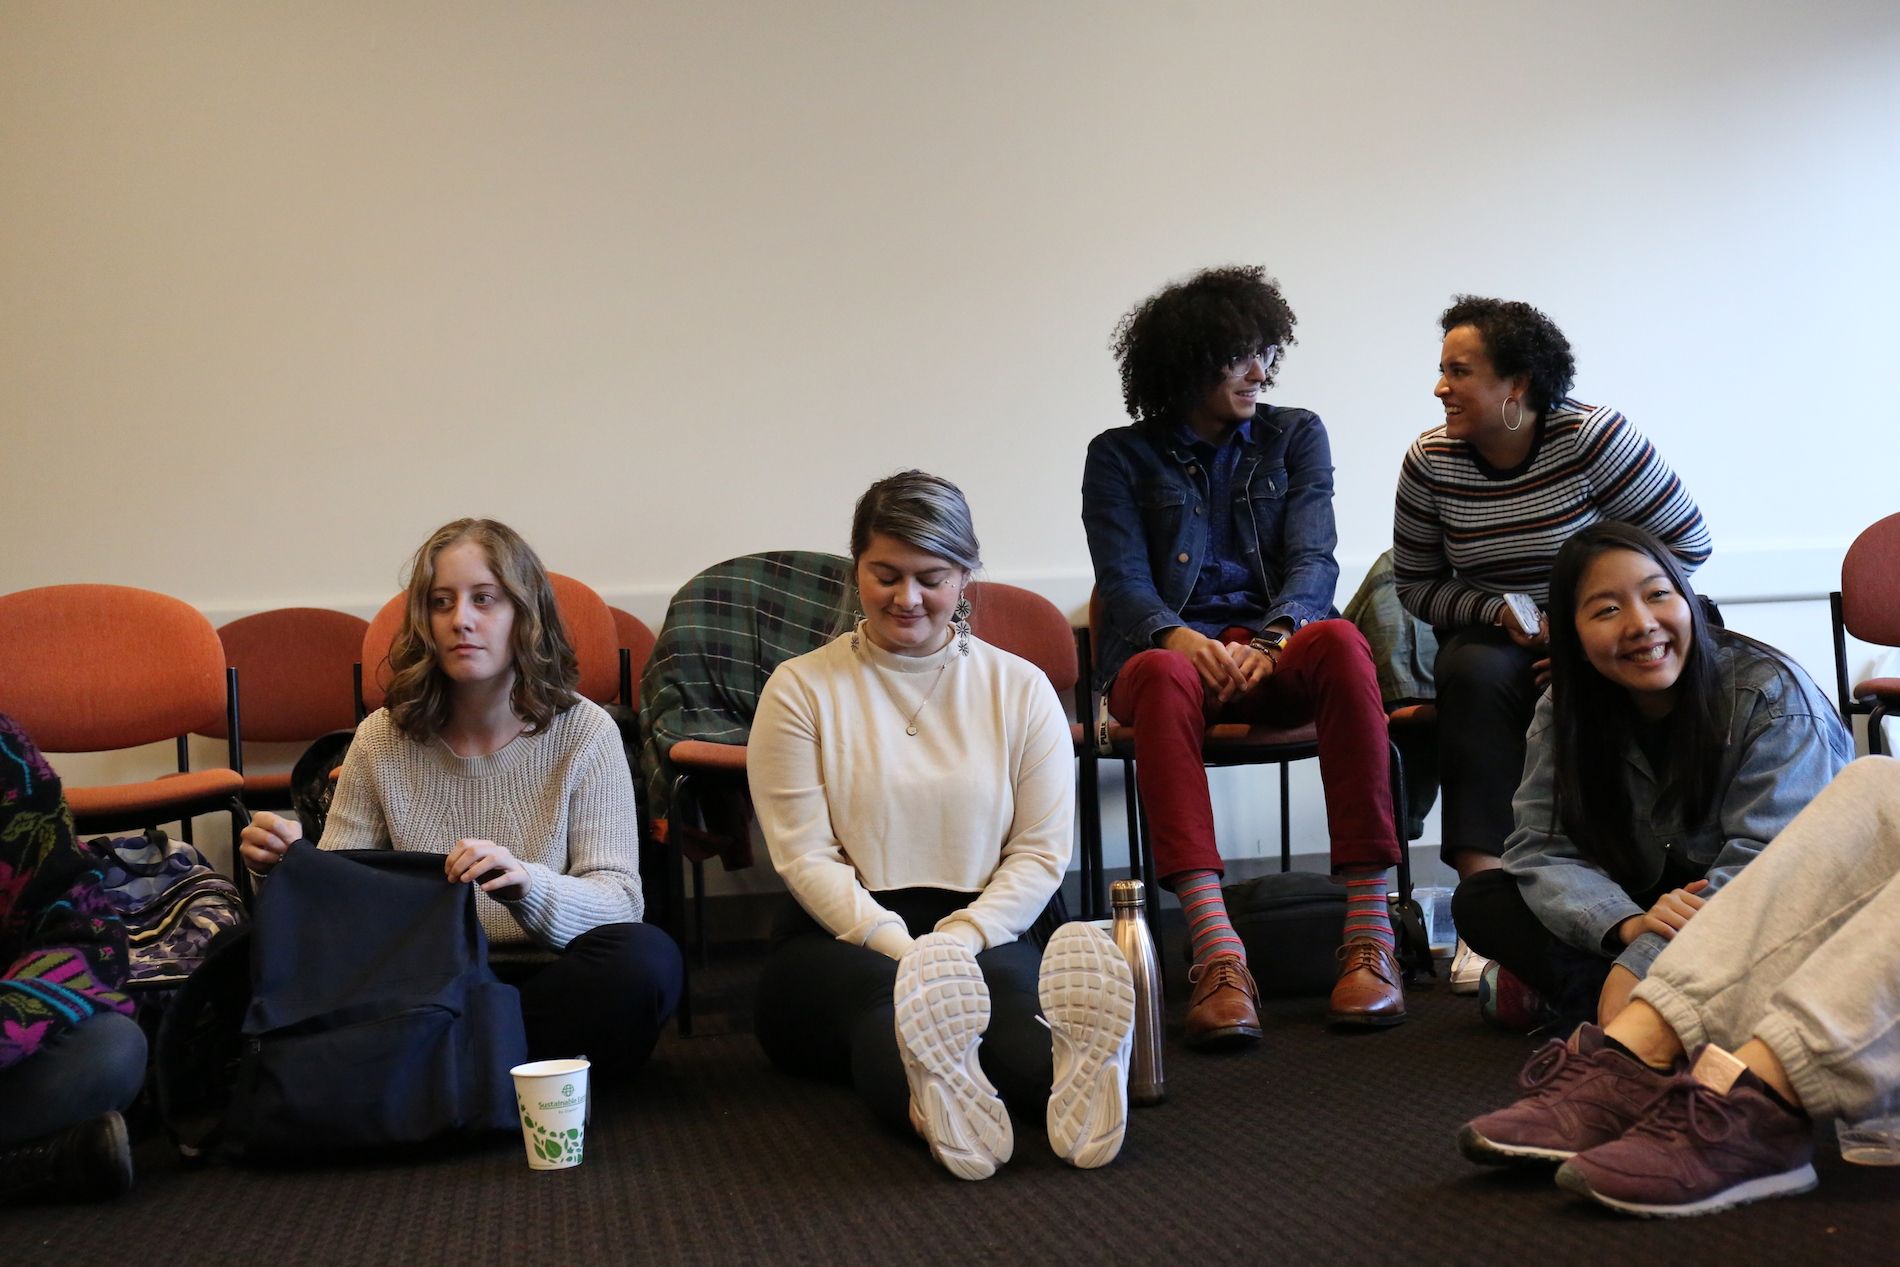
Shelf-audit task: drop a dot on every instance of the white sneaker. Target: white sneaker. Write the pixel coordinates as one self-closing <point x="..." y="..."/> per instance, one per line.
<point x="1466" y="967"/>
<point x="943" y="1007"/>
<point x="1088" y="1002"/>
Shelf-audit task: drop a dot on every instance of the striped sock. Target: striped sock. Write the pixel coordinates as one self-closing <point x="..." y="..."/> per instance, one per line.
<point x="1206" y="913"/>
<point x="1367" y="918"/>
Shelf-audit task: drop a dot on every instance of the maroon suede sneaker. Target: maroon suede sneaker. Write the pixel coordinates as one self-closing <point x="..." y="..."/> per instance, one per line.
<point x="1582" y="1093"/>
<point x="1715" y="1139"/>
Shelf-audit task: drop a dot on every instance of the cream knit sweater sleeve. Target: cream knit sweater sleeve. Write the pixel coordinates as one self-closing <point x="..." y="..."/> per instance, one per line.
<point x="600" y="881"/>
<point x="1036" y="852"/>
<point x="785" y="770"/>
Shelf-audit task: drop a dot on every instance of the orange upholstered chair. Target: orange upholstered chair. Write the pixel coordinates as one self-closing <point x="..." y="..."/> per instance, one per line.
<point x="1025" y="623"/>
<point x="590" y="627"/>
<point x="98" y="668"/>
<point x="1867" y="605"/>
<point x="293" y="683"/>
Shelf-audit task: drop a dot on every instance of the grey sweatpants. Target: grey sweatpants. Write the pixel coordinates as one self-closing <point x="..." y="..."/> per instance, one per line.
<point x="1802" y="950"/>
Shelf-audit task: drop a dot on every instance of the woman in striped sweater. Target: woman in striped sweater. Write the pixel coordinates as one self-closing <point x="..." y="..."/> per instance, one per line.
<point x="1485" y="500"/>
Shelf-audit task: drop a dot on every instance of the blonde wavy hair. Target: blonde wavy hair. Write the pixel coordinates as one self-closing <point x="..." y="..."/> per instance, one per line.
<point x="546" y="668"/>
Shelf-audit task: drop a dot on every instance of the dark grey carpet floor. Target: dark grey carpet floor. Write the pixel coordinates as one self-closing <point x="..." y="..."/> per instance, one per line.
<point x="1316" y="1147"/>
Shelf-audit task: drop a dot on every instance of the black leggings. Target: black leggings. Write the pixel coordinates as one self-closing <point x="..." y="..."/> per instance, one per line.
<point x="825" y="1010"/>
<point x="607" y="996"/>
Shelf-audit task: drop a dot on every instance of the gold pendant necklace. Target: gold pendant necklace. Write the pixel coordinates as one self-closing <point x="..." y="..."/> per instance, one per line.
<point x="910" y="723"/>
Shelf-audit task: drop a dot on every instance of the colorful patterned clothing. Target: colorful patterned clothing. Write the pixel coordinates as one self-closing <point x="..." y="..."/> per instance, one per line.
<point x="62" y="945"/>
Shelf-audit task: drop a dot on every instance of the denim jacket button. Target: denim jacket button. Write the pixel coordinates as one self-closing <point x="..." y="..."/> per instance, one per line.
<point x="1197" y="508"/>
<point x="1181" y="557"/>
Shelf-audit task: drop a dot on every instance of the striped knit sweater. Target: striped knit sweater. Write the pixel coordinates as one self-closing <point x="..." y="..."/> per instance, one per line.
<point x="1466" y="533"/>
<point x="560" y="800"/>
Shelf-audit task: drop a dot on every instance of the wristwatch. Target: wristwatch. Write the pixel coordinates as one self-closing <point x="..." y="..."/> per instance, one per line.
<point x="1272" y="641"/>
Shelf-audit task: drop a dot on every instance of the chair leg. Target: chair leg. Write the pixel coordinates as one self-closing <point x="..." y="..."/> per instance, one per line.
<point x="699" y="910"/>
<point x="1414" y="950"/>
<point x="240" y="874"/>
<point x="1286" y="819"/>
<point x="1088" y="800"/>
<point x="1144" y="870"/>
<point x="676" y="921"/>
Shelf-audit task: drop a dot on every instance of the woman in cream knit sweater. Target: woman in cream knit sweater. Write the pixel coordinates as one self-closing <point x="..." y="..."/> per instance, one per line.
<point x="914" y="786"/>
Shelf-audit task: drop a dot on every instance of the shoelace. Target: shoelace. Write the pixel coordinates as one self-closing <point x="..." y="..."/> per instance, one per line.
<point x="1688" y="1105"/>
<point x="1363" y="954"/>
<point x="1227" y="971"/>
<point x="1551" y="1068"/>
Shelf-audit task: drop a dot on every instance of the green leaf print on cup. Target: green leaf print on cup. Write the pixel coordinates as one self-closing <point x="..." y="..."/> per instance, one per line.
<point x="552" y="1145"/>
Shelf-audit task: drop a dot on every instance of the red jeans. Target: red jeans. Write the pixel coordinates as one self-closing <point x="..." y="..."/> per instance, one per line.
<point x="1325" y="676"/>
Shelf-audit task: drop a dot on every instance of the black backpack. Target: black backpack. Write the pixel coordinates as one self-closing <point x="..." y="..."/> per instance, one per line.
<point x="358" y="1013"/>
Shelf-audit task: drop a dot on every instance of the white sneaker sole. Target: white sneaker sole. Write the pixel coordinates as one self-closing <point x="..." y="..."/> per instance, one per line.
<point x="1786" y="1184"/>
<point x="943" y="1007"/>
<point x="1088" y="1002"/>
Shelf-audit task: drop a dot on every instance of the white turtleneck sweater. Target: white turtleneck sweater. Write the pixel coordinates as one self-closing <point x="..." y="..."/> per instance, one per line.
<point x="560" y="800"/>
<point x="980" y="800"/>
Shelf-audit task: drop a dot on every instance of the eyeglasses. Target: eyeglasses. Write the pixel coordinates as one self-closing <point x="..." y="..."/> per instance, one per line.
<point x="1266" y="356"/>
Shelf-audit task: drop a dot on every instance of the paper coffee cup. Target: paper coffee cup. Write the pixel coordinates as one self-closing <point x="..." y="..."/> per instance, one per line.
<point x="552" y="1097"/>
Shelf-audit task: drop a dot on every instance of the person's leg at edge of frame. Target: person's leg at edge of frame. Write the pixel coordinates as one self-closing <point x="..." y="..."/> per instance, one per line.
<point x="1796" y="965"/>
<point x="1161" y="696"/>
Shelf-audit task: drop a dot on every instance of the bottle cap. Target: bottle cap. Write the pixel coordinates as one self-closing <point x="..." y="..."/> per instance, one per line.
<point x="1126" y="893"/>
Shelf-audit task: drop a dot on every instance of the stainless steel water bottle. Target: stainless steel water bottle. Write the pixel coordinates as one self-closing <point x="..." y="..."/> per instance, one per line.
<point x="1146" y="1082"/>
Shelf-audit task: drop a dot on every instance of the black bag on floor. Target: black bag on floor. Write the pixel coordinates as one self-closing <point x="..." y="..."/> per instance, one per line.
<point x="359" y="1014"/>
<point x="1291" y="923"/>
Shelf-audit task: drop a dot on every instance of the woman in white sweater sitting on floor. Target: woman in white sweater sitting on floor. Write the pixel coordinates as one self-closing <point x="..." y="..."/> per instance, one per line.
<point x="915" y="789"/>
<point x="485" y="755"/>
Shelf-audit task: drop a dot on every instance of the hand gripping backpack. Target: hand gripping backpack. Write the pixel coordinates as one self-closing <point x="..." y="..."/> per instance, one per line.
<point x="358" y="1014"/>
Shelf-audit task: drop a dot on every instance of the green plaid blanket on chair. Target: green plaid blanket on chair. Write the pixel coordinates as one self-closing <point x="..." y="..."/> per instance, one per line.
<point x="724" y="633"/>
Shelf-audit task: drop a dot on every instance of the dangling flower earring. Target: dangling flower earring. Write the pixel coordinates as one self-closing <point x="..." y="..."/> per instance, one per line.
<point x="961" y="619"/>
<point x="857" y="622"/>
<point x="1508" y="424"/>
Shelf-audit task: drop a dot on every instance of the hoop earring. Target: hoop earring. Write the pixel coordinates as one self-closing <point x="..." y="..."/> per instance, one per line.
<point x="961" y="619"/>
<point x="1508" y="424"/>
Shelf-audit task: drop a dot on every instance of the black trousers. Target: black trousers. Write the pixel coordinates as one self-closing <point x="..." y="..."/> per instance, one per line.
<point x="1486" y="696"/>
<point x="1494" y="919"/>
<point x="825" y="1011"/>
<point x="606" y="996"/>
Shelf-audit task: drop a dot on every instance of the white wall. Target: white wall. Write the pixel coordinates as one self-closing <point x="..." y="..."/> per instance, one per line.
<point x="283" y="287"/>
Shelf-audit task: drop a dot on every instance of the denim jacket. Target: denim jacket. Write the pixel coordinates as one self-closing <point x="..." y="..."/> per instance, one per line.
<point x="1785" y="742"/>
<point x="1144" y="506"/>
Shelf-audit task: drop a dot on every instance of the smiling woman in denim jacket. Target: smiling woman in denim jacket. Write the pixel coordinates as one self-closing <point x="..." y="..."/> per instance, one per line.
<point x="1664" y="757"/>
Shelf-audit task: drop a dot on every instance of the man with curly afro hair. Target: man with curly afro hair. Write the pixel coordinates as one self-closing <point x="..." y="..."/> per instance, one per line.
<point x="1210" y="522"/>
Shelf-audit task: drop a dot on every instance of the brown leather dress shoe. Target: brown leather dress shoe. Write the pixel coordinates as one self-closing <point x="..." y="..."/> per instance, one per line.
<point x="1222" y="1007"/>
<point x="1368" y="991"/>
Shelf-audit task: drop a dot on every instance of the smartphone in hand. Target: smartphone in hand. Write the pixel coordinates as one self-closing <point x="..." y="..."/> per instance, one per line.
<point x="1524" y="613"/>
